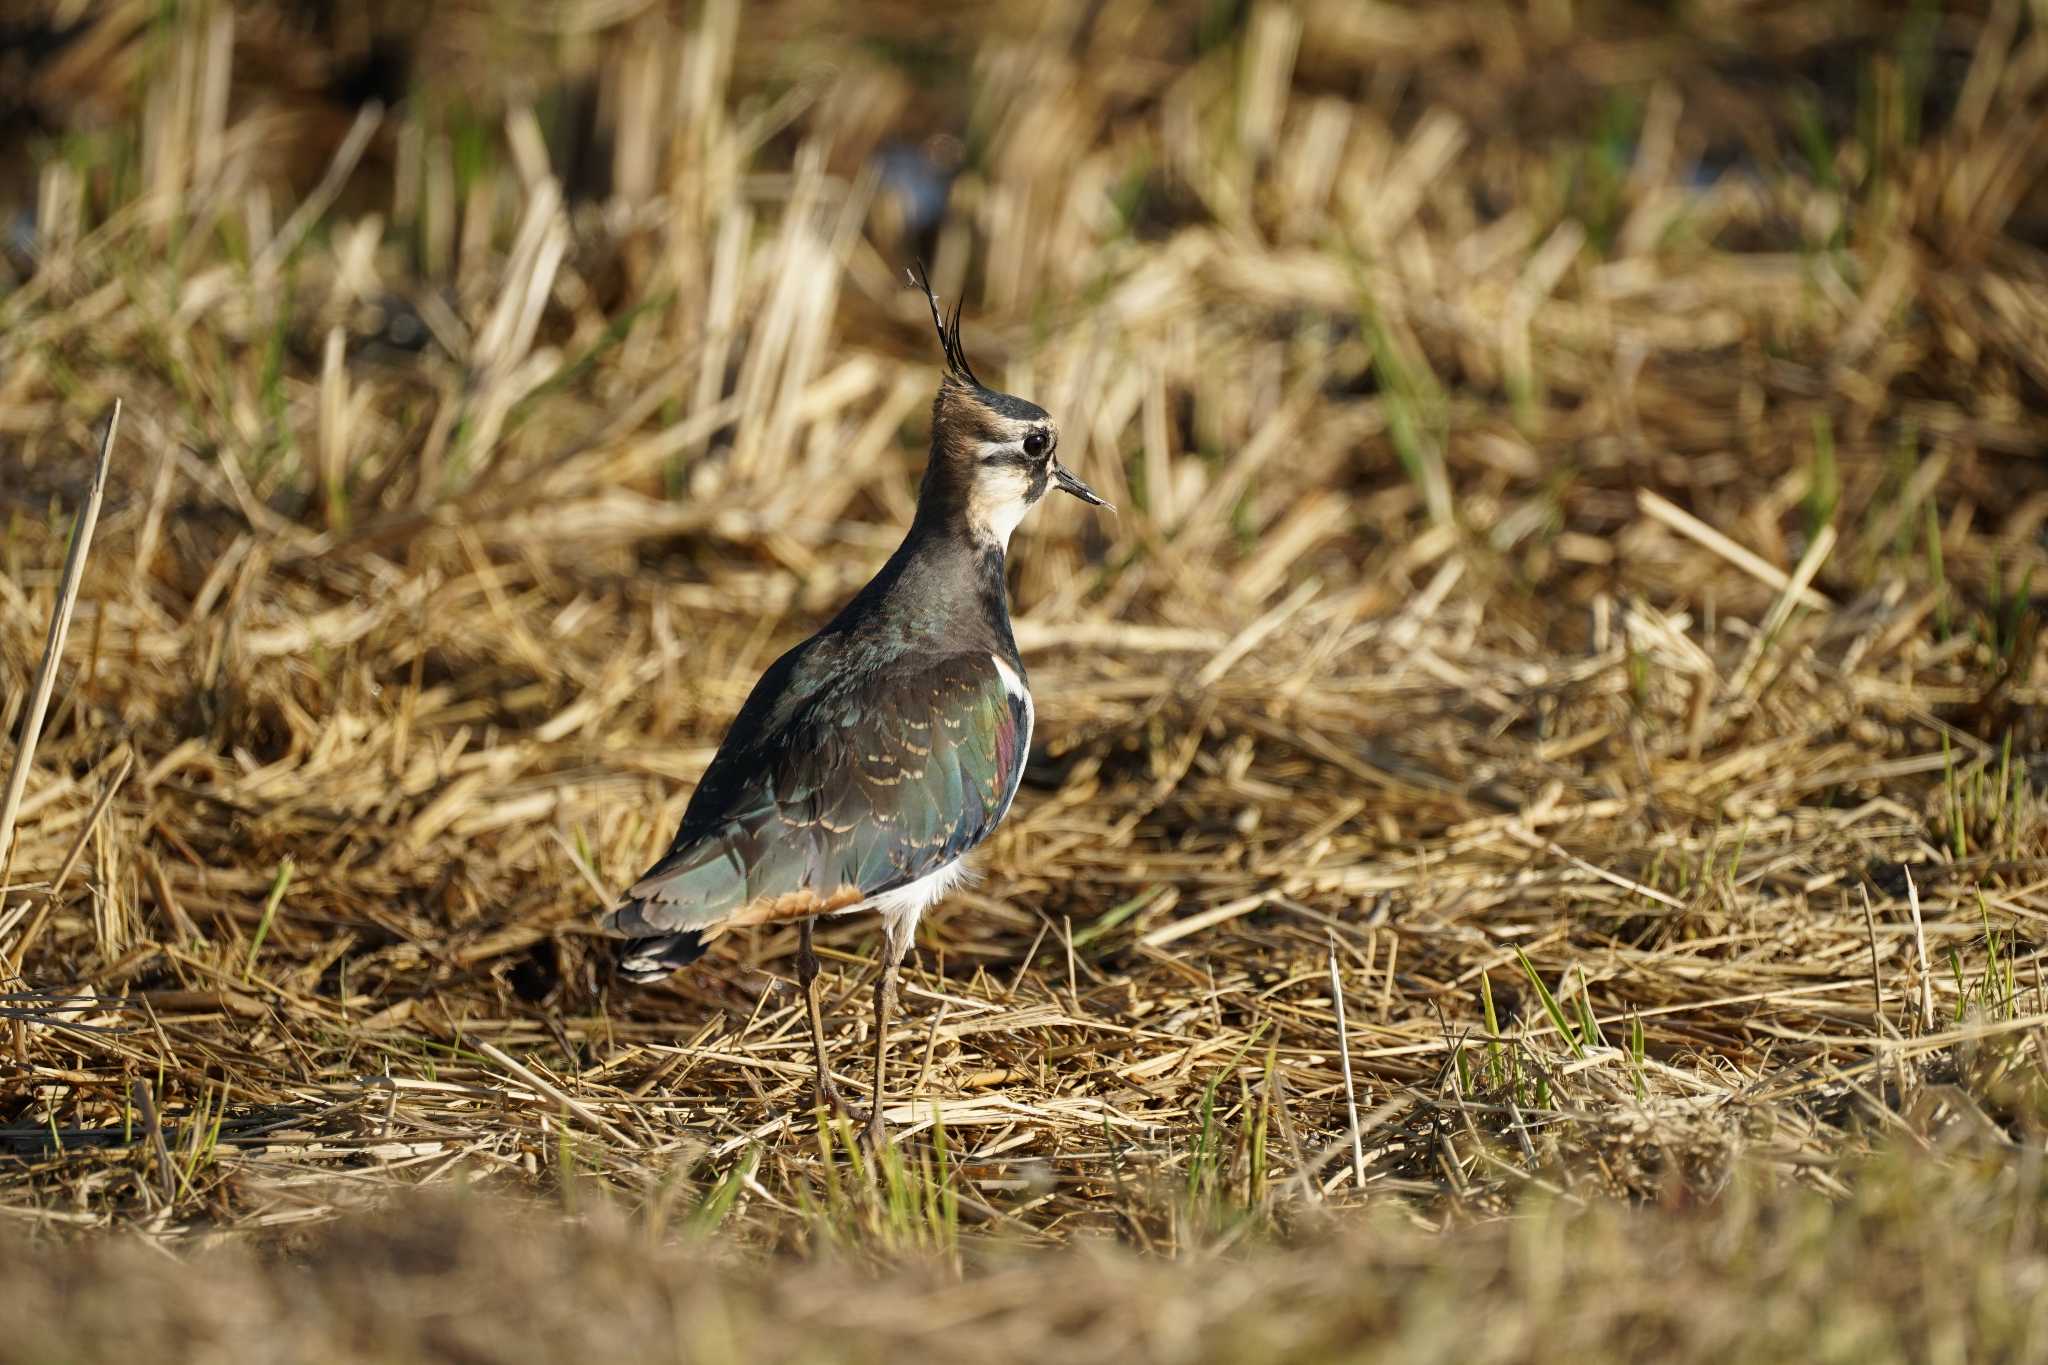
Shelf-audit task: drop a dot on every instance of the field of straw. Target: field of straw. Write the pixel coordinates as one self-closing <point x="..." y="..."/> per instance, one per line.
<point x="1535" y="842"/>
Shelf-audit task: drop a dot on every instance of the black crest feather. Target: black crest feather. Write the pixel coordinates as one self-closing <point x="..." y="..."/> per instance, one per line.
<point x="948" y="329"/>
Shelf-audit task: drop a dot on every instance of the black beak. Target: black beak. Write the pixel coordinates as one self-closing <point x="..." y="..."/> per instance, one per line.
<point x="1064" y="477"/>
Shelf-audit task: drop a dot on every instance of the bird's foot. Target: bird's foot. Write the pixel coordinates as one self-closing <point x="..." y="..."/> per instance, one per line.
<point x="825" y="1097"/>
<point x="874" y="1134"/>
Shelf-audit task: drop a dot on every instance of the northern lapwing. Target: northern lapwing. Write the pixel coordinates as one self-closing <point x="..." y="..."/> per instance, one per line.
<point x="870" y="759"/>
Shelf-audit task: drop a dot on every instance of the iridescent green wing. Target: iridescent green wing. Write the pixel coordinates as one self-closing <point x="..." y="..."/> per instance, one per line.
<point x="866" y="786"/>
<point x="912" y="773"/>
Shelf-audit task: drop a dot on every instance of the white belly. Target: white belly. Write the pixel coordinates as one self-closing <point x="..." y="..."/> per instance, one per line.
<point x="914" y="898"/>
<point x="901" y="908"/>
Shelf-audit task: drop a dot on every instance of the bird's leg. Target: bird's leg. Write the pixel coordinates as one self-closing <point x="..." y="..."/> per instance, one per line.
<point x="826" y="1093"/>
<point x="876" y="1134"/>
<point x="897" y="929"/>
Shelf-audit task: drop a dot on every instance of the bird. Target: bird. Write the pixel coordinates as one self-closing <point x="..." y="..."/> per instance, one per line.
<point x="871" y="759"/>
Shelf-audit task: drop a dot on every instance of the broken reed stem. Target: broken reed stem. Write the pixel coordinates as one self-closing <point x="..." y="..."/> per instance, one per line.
<point x="1781" y="609"/>
<point x="1920" y="950"/>
<point x="53" y="649"/>
<point x="540" y="1085"/>
<point x="307" y="214"/>
<point x="11" y="961"/>
<point x="1344" y="1053"/>
<point x="92" y="821"/>
<point x="1876" y="978"/>
<point x="143" y="1098"/>
<point x="1676" y="518"/>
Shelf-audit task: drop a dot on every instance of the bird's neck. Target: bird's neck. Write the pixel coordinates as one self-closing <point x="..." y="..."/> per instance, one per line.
<point x="943" y="588"/>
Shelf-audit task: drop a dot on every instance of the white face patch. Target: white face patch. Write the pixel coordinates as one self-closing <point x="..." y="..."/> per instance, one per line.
<point x="998" y="501"/>
<point x="1011" y="447"/>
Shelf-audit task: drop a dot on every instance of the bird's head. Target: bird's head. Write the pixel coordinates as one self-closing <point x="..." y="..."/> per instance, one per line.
<point x="994" y="455"/>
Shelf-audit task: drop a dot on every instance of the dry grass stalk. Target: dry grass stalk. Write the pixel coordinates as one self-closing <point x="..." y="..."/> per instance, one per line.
<point x="53" y="647"/>
<point x="1438" y="405"/>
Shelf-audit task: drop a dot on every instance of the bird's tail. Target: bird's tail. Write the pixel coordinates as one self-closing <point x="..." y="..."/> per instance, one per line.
<point x="650" y="959"/>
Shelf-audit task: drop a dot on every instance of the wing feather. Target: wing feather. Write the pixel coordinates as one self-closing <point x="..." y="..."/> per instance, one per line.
<point x="857" y="789"/>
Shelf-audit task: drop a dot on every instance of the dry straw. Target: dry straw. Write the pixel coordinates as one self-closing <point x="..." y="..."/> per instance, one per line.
<point x="1575" y="536"/>
<point x="53" y="649"/>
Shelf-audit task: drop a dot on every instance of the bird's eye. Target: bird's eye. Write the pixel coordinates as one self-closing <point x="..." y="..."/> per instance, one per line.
<point x="1034" y="444"/>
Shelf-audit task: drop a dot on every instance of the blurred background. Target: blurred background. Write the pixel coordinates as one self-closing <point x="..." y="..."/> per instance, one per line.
<point x="1582" y="490"/>
<point x="1483" y="262"/>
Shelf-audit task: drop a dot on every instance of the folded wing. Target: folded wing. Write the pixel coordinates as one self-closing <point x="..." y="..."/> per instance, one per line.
<point x="863" y="787"/>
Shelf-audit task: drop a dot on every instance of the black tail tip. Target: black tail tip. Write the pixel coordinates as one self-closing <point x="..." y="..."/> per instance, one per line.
<point x="641" y="960"/>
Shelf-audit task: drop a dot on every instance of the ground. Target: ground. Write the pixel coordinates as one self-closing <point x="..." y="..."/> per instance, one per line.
<point x="1534" y="843"/>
